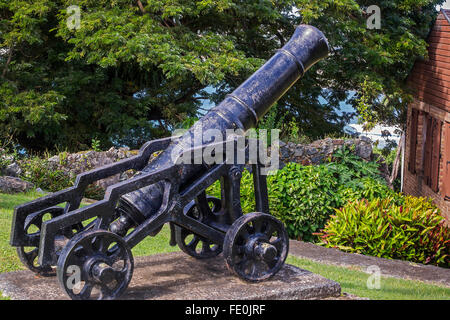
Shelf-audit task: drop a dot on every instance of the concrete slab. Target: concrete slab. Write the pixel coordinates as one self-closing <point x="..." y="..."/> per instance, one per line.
<point x="176" y="276"/>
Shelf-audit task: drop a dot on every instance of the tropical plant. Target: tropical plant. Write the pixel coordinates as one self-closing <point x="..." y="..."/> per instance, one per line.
<point x="414" y="231"/>
<point x="303" y="197"/>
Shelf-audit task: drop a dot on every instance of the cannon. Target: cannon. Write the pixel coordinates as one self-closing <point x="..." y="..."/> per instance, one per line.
<point x="90" y="246"/>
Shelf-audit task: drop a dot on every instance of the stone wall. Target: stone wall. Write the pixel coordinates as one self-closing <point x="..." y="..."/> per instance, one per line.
<point x="76" y="163"/>
<point x="321" y="151"/>
<point x="69" y="163"/>
<point x="311" y="154"/>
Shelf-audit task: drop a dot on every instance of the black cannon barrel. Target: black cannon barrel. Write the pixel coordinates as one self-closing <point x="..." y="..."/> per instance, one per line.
<point x="241" y="109"/>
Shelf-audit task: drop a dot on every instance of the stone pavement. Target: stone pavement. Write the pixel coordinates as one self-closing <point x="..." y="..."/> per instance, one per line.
<point x="175" y="276"/>
<point x="388" y="267"/>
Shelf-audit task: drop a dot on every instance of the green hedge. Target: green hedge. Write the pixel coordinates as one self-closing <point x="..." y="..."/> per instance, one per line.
<point x="414" y="231"/>
<point x="303" y="197"/>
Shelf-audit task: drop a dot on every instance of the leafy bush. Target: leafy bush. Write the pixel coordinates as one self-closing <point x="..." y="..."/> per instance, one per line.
<point x="348" y="166"/>
<point x="5" y="160"/>
<point x="414" y="231"/>
<point x="367" y="188"/>
<point x="247" y="192"/>
<point x="36" y="171"/>
<point x="303" y="197"/>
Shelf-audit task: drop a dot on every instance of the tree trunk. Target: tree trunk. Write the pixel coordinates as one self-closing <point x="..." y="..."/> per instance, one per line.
<point x="397" y="162"/>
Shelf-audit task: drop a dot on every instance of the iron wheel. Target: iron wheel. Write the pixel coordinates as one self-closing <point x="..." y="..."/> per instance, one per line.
<point x="95" y="265"/>
<point x="256" y="246"/>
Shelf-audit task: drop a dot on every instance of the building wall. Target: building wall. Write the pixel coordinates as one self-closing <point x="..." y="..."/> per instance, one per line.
<point x="414" y="184"/>
<point x="430" y="78"/>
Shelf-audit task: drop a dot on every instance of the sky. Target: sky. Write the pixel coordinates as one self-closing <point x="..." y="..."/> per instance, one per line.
<point x="446" y="5"/>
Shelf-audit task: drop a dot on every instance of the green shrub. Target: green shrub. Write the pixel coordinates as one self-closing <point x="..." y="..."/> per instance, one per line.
<point x="5" y="160"/>
<point x="347" y="166"/>
<point x="414" y="231"/>
<point x="36" y="171"/>
<point x="95" y="145"/>
<point x="247" y="192"/>
<point x="303" y="197"/>
<point x="367" y="188"/>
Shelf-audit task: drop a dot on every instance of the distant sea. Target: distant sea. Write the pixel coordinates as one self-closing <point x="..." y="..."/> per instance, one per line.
<point x="351" y="128"/>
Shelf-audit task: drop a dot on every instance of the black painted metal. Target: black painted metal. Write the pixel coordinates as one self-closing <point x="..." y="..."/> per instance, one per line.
<point x="167" y="191"/>
<point x="208" y="210"/>
<point x="240" y="110"/>
<point x="256" y="246"/>
<point x="95" y="264"/>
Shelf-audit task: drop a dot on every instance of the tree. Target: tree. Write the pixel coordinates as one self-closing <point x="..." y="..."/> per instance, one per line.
<point x="137" y="68"/>
<point x="374" y="63"/>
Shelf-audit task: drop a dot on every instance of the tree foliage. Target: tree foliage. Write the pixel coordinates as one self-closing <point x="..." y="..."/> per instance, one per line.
<point x="135" y="69"/>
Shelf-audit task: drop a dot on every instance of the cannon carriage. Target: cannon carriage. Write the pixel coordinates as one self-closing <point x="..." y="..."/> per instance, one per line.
<point x="91" y="246"/>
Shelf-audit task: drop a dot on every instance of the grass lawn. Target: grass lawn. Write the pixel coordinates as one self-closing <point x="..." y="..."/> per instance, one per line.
<point x="351" y="280"/>
<point x="354" y="281"/>
<point x="8" y="257"/>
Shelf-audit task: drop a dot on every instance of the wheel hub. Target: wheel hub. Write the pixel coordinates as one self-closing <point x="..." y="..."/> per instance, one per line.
<point x="265" y="251"/>
<point x="103" y="273"/>
<point x="259" y="248"/>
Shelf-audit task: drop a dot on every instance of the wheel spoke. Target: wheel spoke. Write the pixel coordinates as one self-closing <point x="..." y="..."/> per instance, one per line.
<point x="253" y="267"/>
<point x="271" y="264"/>
<point x="278" y="243"/>
<point x="258" y="225"/>
<point x="117" y="254"/>
<point x="105" y="292"/>
<point x="121" y="275"/>
<point x="260" y="268"/>
<point x="85" y="293"/>
<point x="32" y="255"/>
<point x="244" y="233"/>
<point x="194" y="242"/>
<point x="240" y="250"/>
<point x="75" y="259"/>
<point x="205" y="248"/>
<point x="105" y="244"/>
<point x="86" y="244"/>
<point x="269" y="230"/>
